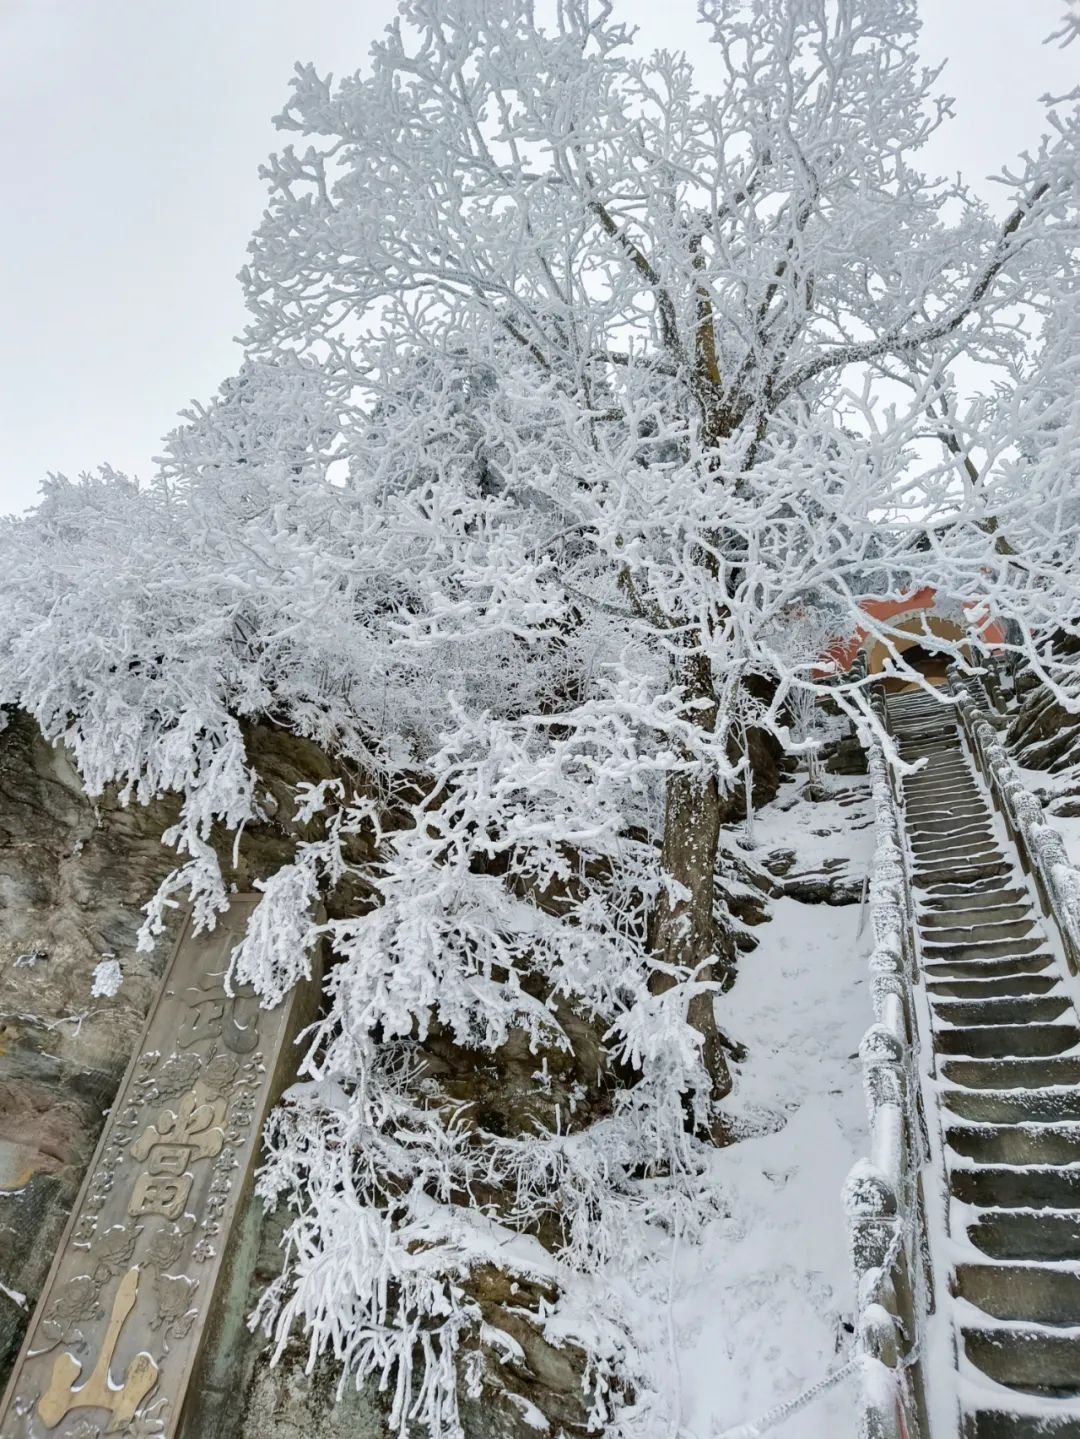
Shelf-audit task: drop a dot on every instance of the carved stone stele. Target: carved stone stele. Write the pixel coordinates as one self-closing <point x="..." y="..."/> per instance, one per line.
<point x="114" y="1344"/>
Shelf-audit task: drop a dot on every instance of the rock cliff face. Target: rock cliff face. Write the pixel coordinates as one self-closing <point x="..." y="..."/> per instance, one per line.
<point x="73" y="875"/>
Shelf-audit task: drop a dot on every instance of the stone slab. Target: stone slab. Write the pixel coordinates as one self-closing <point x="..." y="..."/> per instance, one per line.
<point x="115" y="1339"/>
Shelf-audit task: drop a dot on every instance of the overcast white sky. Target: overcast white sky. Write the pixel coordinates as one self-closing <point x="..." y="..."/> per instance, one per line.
<point x="133" y="134"/>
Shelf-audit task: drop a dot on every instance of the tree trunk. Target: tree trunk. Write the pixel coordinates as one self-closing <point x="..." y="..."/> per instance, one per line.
<point x="683" y="928"/>
<point x="766" y="753"/>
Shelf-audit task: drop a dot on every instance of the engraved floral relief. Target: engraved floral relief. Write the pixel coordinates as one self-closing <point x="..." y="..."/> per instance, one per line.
<point x="113" y="1249"/>
<point x="83" y="1429"/>
<point x="175" y="1312"/>
<point x="149" y="1422"/>
<point x="76" y="1304"/>
<point x="179" y="1072"/>
<point x="219" y="1073"/>
<point x="167" y="1244"/>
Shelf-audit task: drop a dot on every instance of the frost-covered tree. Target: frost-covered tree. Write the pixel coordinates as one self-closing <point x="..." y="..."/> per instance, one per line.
<point x="582" y="406"/>
<point x="694" y="306"/>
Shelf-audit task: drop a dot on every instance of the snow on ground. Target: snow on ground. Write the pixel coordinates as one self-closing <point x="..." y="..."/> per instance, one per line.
<point x="761" y="1307"/>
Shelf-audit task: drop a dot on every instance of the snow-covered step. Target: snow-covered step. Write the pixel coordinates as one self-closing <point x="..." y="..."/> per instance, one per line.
<point x="1018" y="1145"/>
<point x="1028" y="1293"/>
<point x="1019" y="1106"/>
<point x="993" y="1424"/>
<point x="1006" y="1010"/>
<point x="1011" y="986"/>
<point x="1002" y="1090"/>
<point x="1029" y="1358"/>
<point x="1051" y="1236"/>
<point x="971" y="969"/>
<point x="1003" y="895"/>
<point x="1000" y="1041"/>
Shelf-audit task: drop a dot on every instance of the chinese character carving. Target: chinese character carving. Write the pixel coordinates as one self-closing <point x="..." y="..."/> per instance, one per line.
<point x="198" y="1123"/>
<point x="101" y="1391"/>
<point x="163" y="1194"/>
<point x="212" y="1014"/>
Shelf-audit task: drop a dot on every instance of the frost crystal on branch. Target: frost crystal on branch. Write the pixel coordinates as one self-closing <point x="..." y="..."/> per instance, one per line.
<point x="584" y="400"/>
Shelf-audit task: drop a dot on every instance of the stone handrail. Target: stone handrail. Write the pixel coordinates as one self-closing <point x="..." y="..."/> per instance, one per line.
<point x="1038" y="843"/>
<point x="882" y="1194"/>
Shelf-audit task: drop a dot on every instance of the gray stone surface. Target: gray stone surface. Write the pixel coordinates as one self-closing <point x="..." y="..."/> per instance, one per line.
<point x="73" y="876"/>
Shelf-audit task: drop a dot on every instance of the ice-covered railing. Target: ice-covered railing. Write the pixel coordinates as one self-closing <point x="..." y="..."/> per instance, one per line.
<point x="1038" y="843"/>
<point x="882" y="1195"/>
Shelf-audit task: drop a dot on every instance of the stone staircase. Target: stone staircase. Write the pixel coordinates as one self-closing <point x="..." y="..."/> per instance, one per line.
<point x="1001" y="1061"/>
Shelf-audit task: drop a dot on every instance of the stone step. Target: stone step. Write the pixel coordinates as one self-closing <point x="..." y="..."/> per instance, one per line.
<point x="958" y="874"/>
<point x="958" y="859"/>
<point x="1019" y="1145"/>
<point x="986" y="929"/>
<point x="1013" y="1234"/>
<point x="1012" y="1073"/>
<point x="946" y="801"/>
<point x="942" y="850"/>
<point x="943" y="764"/>
<point x="1025" y="1292"/>
<point x="1013" y="1106"/>
<point x="1018" y="986"/>
<point x="1003" y="1010"/>
<point x="1000" y="1424"/>
<point x="1001" y="1186"/>
<point x="933" y="920"/>
<point x="917" y="744"/>
<point x="959" y="815"/>
<point x="985" y="898"/>
<point x="941" y="786"/>
<point x="1006" y="1037"/>
<point x="1003" y="1041"/>
<point x="948" y="826"/>
<point x="941" y="769"/>
<point x="930" y="730"/>
<point x="941" y="772"/>
<point x="1029" y="1360"/>
<point x="936" y="751"/>
<point x="944" y="787"/>
<point x="988" y="968"/>
<point x="983" y="949"/>
<point x="921" y="735"/>
<point x="939" y="807"/>
<point x="967" y="847"/>
<point x="949" y="830"/>
<point x="941" y="777"/>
